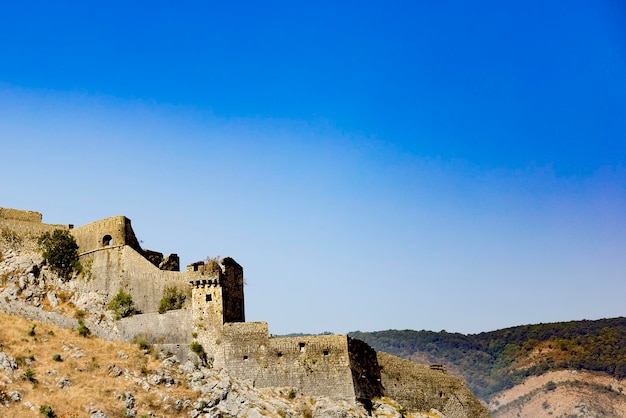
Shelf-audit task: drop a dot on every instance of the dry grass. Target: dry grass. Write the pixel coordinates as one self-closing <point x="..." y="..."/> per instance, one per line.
<point x="91" y="384"/>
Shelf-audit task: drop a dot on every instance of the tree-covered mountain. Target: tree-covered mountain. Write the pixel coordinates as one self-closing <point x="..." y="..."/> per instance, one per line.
<point x="493" y="361"/>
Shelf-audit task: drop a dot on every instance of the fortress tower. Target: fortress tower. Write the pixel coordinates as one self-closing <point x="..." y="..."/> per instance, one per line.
<point x="217" y="299"/>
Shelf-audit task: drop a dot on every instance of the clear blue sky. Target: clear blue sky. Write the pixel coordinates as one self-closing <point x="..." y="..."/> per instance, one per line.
<point x="372" y="165"/>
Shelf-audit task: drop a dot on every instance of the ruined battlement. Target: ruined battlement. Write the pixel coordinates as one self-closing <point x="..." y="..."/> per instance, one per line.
<point x="213" y="314"/>
<point x="27" y="224"/>
<point x="20" y="215"/>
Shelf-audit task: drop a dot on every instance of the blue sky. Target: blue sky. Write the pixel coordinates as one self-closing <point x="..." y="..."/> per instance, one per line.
<point x="422" y="165"/>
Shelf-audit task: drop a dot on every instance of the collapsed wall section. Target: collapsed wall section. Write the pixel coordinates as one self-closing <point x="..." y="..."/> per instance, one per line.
<point x="419" y="388"/>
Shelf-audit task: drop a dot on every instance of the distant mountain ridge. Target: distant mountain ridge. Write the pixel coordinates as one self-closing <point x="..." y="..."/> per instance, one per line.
<point x="494" y="361"/>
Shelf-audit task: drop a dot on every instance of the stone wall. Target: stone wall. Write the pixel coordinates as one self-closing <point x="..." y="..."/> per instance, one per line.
<point x="316" y="365"/>
<point x="124" y="268"/>
<point x="110" y="232"/>
<point x="26" y="224"/>
<point x="20" y="215"/>
<point x="417" y="387"/>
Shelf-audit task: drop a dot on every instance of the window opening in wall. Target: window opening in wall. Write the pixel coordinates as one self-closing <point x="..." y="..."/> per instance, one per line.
<point x="301" y="345"/>
<point x="325" y="352"/>
<point x="107" y="240"/>
<point x="208" y="298"/>
<point x="279" y="354"/>
<point x="245" y="357"/>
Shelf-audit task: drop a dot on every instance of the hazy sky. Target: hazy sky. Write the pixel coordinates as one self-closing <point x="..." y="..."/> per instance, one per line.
<point x="372" y="165"/>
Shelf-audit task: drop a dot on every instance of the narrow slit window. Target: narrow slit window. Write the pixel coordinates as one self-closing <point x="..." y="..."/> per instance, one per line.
<point x="209" y="298"/>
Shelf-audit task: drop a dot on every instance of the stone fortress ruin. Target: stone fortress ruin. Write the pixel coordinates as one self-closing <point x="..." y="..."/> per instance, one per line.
<point x="336" y="366"/>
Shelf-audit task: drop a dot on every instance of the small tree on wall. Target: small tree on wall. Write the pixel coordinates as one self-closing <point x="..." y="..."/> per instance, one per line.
<point x="122" y="305"/>
<point x="172" y="299"/>
<point x="60" y="251"/>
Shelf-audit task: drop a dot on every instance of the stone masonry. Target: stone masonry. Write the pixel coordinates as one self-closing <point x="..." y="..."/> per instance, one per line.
<point x="335" y="366"/>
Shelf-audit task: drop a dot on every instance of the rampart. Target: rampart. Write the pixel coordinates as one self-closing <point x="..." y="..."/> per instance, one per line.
<point x="213" y="315"/>
<point x="26" y="224"/>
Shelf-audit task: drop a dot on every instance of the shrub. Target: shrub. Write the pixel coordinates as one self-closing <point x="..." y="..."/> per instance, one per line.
<point x="31" y="331"/>
<point x="213" y="264"/>
<point x="122" y="305"/>
<point x="172" y="299"/>
<point x="11" y="238"/>
<point x="60" y="251"/>
<point x="82" y="329"/>
<point x="143" y="341"/>
<point x="29" y="375"/>
<point x="47" y="411"/>
<point x="57" y="357"/>
<point x="196" y="347"/>
<point x="292" y="393"/>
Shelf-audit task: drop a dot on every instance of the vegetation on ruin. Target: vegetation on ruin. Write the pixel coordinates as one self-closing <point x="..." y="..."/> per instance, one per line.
<point x="172" y="299"/>
<point x="60" y="251"/>
<point x="213" y="264"/>
<point x="122" y="305"/>
<point x="11" y="238"/>
<point x="497" y="360"/>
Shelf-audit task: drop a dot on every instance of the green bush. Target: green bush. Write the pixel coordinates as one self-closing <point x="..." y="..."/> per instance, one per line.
<point x="31" y="331"/>
<point x="82" y="329"/>
<point x="122" y="305"/>
<point x="47" y="411"/>
<point x="196" y="347"/>
<point x="57" y="357"/>
<point x="29" y="375"/>
<point x="60" y="251"/>
<point x="172" y="299"/>
<point x="143" y="341"/>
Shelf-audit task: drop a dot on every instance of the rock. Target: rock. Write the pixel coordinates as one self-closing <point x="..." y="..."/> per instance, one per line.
<point x="52" y="299"/>
<point x="7" y="363"/>
<point x="90" y="301"/>
<point x="114" y="371"/>
<point x="63" y="383"/>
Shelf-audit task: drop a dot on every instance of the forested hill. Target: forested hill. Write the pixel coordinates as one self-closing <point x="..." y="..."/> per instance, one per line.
<point x="497" y="360"/>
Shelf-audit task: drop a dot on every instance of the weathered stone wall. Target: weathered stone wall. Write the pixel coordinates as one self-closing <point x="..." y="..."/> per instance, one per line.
<point x="20" y="215"/>
<point x="316" y="365"/>
<point x="417" y="387"/>
<point x="116" y="268"/>
<point x="172" y="327"/>
<point x="365" y="370"/>
<point x="234" y="309"/>
<point x="26" y="224"/>
<point x="110" y="232"/>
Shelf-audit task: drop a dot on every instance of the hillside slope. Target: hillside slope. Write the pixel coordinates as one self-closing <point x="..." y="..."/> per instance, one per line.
<point x="50" y="371"/>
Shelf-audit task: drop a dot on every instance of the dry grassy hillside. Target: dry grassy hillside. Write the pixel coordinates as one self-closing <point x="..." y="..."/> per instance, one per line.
<point x="562" y="393"/>
<point x="47" y="371"/>
<point x="76" y="376"/>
